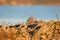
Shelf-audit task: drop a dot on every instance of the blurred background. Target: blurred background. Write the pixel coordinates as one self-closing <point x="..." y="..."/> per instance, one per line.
<point x="19" y="14"/>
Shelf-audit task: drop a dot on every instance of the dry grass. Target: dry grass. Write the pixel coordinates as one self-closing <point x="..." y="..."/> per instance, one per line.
<point x="30" y="2"/>
<point x="33" y="30"/>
